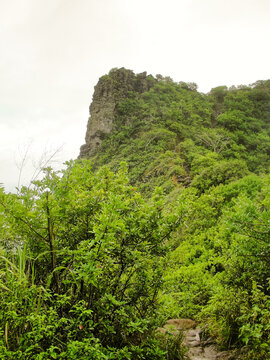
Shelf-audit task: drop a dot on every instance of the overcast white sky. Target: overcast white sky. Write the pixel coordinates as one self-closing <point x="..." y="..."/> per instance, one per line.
<point x="54" y="51"/>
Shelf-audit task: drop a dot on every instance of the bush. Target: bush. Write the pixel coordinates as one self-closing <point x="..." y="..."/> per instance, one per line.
<point x="85" y="284"/>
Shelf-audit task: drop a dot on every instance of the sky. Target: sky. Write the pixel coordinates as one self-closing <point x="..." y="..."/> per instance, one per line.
<point x="53" y="53"/>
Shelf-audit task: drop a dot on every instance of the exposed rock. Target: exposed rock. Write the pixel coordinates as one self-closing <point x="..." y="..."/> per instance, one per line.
<point x="109" y="91"/>
<point x="198" y="350"/>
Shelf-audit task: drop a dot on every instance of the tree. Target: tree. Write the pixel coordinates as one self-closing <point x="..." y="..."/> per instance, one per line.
<point x="214" y="140"/>
<point x="87" y="269"/>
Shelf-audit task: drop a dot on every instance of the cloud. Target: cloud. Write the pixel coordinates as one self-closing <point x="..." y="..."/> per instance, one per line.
<point x="53" y="52"/>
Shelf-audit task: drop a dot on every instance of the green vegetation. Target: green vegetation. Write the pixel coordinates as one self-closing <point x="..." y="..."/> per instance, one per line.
<point x="173" y="132"/>
<point x="81" y="267"/>
<point x="94" y="258"/>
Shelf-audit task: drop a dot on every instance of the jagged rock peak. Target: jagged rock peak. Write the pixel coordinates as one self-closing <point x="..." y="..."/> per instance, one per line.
<point x="110" y="90"/>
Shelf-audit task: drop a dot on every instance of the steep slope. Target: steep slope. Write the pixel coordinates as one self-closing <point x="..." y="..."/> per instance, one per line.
<point x="109" y="91"/>
<point x="172" y="135"/>
<point x="209" y="154"/>
<point x="90" y="268"/>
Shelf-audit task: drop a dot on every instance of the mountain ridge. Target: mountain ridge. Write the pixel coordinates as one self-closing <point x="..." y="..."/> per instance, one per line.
<point x="162" y="127"/>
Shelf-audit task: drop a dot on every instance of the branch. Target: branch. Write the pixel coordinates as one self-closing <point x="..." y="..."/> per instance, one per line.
<point x="22" y="220"/>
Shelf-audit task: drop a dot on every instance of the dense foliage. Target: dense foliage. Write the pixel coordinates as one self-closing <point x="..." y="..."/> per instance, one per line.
<point x="173" y="132"/>
<point x="81" y="266"/>
<point x="89" y="267"/>
<point x="211" y="151"/>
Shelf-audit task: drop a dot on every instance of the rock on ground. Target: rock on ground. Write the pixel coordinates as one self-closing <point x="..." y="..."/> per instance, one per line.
<point x="198" y="350"/>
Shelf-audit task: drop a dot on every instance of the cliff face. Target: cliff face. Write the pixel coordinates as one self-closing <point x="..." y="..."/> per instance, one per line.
<point x="109" y="91"/>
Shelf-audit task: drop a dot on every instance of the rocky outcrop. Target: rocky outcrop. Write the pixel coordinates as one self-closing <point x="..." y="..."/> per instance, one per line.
<point x="109" y="91"/>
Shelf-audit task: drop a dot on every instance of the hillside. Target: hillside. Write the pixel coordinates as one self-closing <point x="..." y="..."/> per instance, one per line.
<point x="171" y="135"/>
<point x="165" y="215"/>
<point x="210" y="152"/>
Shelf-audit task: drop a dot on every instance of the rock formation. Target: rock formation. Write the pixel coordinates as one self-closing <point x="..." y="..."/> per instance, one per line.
<point x="109" y="91"/>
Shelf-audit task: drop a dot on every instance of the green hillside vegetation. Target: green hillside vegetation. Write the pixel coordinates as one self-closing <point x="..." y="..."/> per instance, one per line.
<point x="172" y="132"/>
<point x="169" y="218"/>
